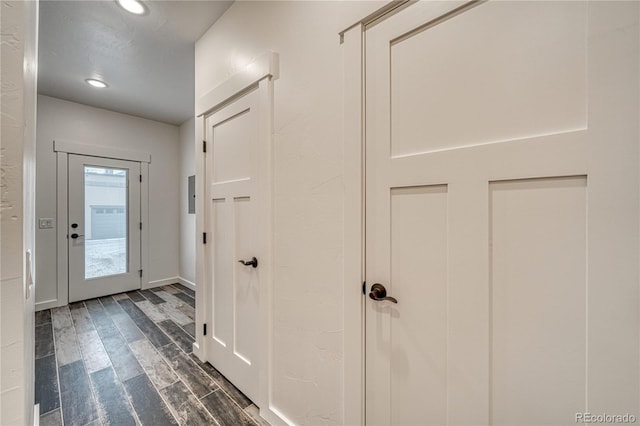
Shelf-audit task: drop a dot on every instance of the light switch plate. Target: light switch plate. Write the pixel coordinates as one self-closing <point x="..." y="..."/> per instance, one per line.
<point x="45" y="223"/>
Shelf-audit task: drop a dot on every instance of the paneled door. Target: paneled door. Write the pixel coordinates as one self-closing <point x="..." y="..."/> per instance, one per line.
<point x="233" y="251"/>
<point x="502" y="213"/>
<point x="103" y="226"/>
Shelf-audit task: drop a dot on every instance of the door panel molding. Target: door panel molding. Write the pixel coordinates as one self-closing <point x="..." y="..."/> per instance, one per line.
<point x="566" y="158"/>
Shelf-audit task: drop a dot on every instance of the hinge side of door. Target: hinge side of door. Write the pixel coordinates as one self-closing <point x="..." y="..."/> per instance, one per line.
<point x="204" y="329"/>
<point x="204" y="146"/>
<point x="364" y="287"/>
<point x="140" y="272"/>
<point x="140" y="178"/>
<point x="204" y="238"/>
<point x="140" y="225"/>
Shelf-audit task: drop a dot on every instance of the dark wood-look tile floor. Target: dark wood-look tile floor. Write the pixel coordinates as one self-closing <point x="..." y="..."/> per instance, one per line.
<point x="127" y="359"/>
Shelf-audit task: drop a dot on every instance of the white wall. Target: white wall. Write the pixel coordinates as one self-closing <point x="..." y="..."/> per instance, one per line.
<point x="17" y="207"/>
<point x="69" y="121"/>
<point x="307" y="305"/>
<point x="187" y="221"/>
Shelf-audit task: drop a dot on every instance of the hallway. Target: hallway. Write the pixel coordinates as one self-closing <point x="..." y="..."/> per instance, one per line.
<point x="127" y="359"/>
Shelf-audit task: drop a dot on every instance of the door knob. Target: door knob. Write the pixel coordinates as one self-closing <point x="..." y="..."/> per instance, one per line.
<point x="379" y="293"/>
<point x="253" y="262"/>
<point x="74" y="236"/>
<point x="74" y="225"/>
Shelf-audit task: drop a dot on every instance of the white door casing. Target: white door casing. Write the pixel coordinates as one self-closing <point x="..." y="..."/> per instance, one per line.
<point x="232" y="212"/>
<point x="502" y="212"/>
<point x="121" y="271"/>
<point x="242" y="194"/>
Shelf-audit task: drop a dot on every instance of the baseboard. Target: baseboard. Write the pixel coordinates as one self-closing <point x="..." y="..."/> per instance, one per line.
<point x="197" y="352"/>
<point x="160" y="283"/>
<point x="187" y="283"/>
<point x="47" y="304"/>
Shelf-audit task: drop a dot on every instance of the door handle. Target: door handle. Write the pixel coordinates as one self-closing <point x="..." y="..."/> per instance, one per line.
<point x="379" y="293"/>
<point x="74" y="236"/>
<point x="253" y="262"/>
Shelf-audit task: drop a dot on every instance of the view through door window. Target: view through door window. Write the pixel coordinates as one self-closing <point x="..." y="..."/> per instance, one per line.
<point x="105" y="215"/>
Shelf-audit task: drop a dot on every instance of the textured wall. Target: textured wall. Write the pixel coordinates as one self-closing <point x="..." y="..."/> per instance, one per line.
<point x="19" y="22"/>
<point x="307" y="307"/>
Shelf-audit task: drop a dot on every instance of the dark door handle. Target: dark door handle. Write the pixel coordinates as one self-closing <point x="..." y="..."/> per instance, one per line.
<point x="74" y="236"/>
<point x="379" y="293"/>
<point x="253" y="262"/>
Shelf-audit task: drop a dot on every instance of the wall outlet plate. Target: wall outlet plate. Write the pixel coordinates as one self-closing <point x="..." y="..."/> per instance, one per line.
<point x="45" y="223"/>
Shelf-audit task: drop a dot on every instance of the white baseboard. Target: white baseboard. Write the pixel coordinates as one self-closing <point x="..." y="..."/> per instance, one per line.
<point x="160" y="283"/>
<point x="47" y="304"/>
<point x="187" y="283"/>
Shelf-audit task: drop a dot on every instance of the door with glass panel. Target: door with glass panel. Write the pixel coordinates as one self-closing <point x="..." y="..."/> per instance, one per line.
<point x="103" y="226"/>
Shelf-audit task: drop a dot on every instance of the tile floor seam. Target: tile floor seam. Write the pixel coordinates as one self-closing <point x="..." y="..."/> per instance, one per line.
<point x="84" y="365"/>
<point x="55" y="357"/>
<point x="110" y="360"/>
<point x="144" y="336"/>
<point x="192" y="361"/>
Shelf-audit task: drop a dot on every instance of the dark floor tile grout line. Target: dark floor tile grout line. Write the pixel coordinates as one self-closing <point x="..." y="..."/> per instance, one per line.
<point x="75" y="332"/>
<point x="133" y="409"/>
<point x="189" y="388"/>
<point x="86" y="370"/>
<point x="158" y="390"/>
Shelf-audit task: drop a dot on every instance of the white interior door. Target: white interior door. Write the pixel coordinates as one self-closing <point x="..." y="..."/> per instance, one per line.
<point x="233" y="207"/>
<point x="502" y="213"/>
<point x="103" y="226"/>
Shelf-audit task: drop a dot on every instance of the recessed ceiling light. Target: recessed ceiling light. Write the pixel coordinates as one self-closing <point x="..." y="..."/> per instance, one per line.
<point x="134" y="6"/>
<point x="96" y="83"/>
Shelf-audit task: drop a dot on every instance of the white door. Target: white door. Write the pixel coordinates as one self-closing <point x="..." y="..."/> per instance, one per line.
<point x="502" y="213"/>
<point x="233" y="251"/>
<point x="103" y="226"/>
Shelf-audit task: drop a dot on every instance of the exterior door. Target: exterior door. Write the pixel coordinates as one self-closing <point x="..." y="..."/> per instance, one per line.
<point x="104" y="226"/>
<point x="233" y="249"/>
<point x="502" y="213"/>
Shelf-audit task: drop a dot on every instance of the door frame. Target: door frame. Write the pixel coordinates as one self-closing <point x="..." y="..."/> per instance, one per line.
<point x="353" y="40"/>
<point x="259" y="75"/>
<point x="62" y="149"/>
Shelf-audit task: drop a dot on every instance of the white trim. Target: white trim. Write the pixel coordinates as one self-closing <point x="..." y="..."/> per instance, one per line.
<point x="146" y="225"/>
<point x="265" y="65"/>
<point x="260" y="73"/>
<point x="353" y="227"/>
<point x="160" y="283"/>
<point x="101" y="151"/>
<point x="47" y="304"/>
<point x="202" y="308"/>
<point x="187" y="283"/>
<point x="62" y="217"/>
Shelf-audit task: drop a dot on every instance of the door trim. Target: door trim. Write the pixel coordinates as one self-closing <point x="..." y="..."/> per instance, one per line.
<point x="62" y="213"/>
<point x="353" y="225"/>
<point x="260" y="75"/>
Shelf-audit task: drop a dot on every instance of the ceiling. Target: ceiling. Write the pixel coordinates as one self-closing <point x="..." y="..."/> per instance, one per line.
<point x="147" y="60"/>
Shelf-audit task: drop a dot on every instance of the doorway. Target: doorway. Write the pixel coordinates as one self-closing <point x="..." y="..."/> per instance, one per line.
<point x="104" y="224"/>
<point x="501" y="212"/>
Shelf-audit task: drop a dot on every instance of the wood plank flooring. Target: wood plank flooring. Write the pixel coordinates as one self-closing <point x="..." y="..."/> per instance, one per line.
<point x="127" y="359"/>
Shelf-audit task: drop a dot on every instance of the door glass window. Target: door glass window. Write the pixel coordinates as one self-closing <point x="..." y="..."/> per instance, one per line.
<point x="105" y="214"/>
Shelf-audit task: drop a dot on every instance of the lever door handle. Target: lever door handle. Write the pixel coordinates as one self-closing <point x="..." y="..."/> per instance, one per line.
<point x="253" y="262"/>
<point x="379" y="293"/>
<point x="74" y="236"/>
